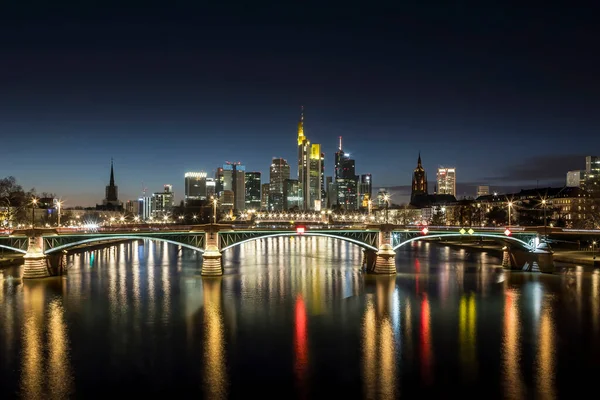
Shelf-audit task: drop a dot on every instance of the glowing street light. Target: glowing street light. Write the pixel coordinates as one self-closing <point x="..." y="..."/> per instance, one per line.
<point x="386" y="198"/>
<point x="510" y="204"/>
<point x="545" y="220"/>
<point x="59" y="204"/>
<point x="34" y="202"/>
<point x="215" y="201"/>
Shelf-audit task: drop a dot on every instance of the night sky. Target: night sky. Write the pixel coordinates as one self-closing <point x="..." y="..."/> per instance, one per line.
<point x="509" y="96"/>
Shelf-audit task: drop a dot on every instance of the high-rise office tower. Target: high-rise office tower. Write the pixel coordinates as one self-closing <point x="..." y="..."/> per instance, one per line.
<point x="290" y="194"/>
<point x="446" y="181"/>
<point x="163" y="202"/>
<point x="252" y="184"/>
<point x="278" y="173"/>
<point x="232" y="177"/>
<point x="331" y="192"/>
<point x="309" y="170"/>
<point x="211" y="188"/>
<point x="346" y="180"/>
<point x="592" y="174"/>
<point x="264" y="196"/>
<point x="195" y="186"/>
<point x="419" y="181"/>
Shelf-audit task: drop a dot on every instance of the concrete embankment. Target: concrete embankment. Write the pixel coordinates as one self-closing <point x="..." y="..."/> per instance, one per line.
<point x="11" y="260"/>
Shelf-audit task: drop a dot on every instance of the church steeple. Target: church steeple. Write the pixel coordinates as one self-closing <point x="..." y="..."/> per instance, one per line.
<point x="419" y="161"/>
<point x="112" y="174"/>
<point x="419" y="181"/>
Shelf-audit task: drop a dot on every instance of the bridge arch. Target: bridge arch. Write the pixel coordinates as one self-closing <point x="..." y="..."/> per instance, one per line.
<point x="504" y="239"/>
<point x="283" y="234"/>
<point x="13" y="249"/>
<point x="120" y="237"/>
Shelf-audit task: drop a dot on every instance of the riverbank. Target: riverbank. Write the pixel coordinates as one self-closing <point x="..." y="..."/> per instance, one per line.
<point x="584" y="258"/>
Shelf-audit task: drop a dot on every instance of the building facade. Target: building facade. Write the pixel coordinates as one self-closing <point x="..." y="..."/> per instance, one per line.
<point x="195" y="186"/>
<point x="346" y="180"/>
<point x="278" y="174"/>
<point x="309" y="170"/>
<point x="483" y="190"/>
<point x="264" y="196"/>
<point x="446" y="181"/>
<point x="576" y="178"/>
<point x="291" y="194"/>
<point x="163" y="202"/>
<point x="253" y="187"/>
<point x="592" y="175"/>
<point x="365" y="190"/>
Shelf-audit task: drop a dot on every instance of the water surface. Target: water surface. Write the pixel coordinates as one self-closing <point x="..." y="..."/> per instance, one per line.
<point x="296" y="318"/>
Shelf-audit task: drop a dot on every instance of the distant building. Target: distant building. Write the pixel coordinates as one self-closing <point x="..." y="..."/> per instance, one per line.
<point x="331" y="191"/>
<point x="132" y="207"/>
<point x="232" y="177"/>
<point x="145" y="207"/>
<point x="381" y="194"/>
<point x="264" y="196"/>
<point x="419" y="181"/>
<point x="483" y="190"/>
<point x="211" y="188"/>
<point x="346" y="180"/>
<point x="163" y="202"/>
<point x="365" y="190"/>
<point x="111" y="201"/>
<point x="310" y="170"/>
<point x="227" y="201"/>
<point x="576" y="178"/>
<point x="252" y="186"/>
<point x="592" y="174"/>
<point x="291" y="194"/>
<point x="278" y="174"/>
<point x="195" y="186"/>
<point x="446" y="181"/>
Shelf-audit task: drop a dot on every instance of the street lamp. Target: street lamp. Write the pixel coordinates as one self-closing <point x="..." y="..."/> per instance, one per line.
<point x="386" y="198"/>
<point x="34" y="202"/>
<point x="545" y="223"/>
<point x="214" y="201"/>
<point x="510" y="204"/>
<point x="58" y="207"/>
<point x="370" y="205"/>
<point x="594" y="243"/>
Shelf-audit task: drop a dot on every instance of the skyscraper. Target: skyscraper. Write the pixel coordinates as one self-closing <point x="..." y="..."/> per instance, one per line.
<point x="309" y="170"/>
<point x="446" y="181"/>
<point x="163" y="202"/>
<point x="195" y="186"/>
<point x="264" y="196"/>
<point x="232" y="177"/>
<point x="419" y="181"/>
<point x="278" y="173"/>
<point x="592" y="174"/>
<point x="346" y="180"/>
<point x="290" y="194"/>
<point x="252" y="184"/>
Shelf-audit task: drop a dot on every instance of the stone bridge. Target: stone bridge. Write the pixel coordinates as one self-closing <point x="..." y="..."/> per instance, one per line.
<point x="44" y="249"/>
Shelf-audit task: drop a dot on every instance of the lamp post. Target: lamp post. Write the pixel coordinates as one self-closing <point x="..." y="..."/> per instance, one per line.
<point x="509" y="207"/>
<point x="58" y="206"/>
<point x="214" y="201"/>
<point x="594" y="250"/>
<point x="545" y="223"/>
<point x="33" y="204"/>
<point x="386" y="198"/>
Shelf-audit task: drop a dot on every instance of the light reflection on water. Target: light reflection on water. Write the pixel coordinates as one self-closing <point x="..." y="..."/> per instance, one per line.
<point x="297" y="312"/>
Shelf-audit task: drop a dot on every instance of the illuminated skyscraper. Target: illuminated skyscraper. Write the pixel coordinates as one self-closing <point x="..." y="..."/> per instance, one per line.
<point x="195" y="186"/>
<point x="446" y="181"/>
<point x="278" y="173"/>
<point x="264" y="196"/>
<point x="252" y="184"/>
<point x="346" y="180"/>
<point x="309" y="170"/>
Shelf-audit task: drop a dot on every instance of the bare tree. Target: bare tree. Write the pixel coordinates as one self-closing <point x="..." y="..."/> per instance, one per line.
<point x="13" y="201"/>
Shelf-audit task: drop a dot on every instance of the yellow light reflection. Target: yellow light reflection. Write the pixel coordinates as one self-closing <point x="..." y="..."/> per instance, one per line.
<point x="513" y="383"/>
<point x="467" y="335"/>
<point x="379" y="344"/>
<point x="32" y="371"/>
<point x="595" y="299"/>
<point x="215" y="373"/>
<point x="59" y="368"/>
<point x="546" y="365"/>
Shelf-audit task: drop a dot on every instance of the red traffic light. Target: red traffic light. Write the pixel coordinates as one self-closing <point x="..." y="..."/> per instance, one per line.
<point x="300" y="230"/>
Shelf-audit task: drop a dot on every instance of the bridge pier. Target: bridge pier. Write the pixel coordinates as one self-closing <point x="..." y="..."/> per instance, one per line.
<point x="538" y="260"/>
<point x="385" y="263"/>
<point x="212" y="259"/>
<point x="36" y="263"/>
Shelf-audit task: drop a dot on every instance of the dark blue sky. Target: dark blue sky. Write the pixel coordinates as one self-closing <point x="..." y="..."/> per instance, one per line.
<point x="508" y="96"/>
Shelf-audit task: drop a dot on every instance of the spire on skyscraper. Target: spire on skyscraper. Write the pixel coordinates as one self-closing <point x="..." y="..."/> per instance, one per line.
<point x="419" y="161"/>
<point x="301" y="126"/>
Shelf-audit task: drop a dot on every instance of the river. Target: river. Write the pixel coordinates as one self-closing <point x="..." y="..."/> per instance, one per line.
<point x="297" y="318"/>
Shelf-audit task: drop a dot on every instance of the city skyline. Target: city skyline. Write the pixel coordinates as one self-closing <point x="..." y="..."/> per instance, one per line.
<point x="162" y="104"/>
